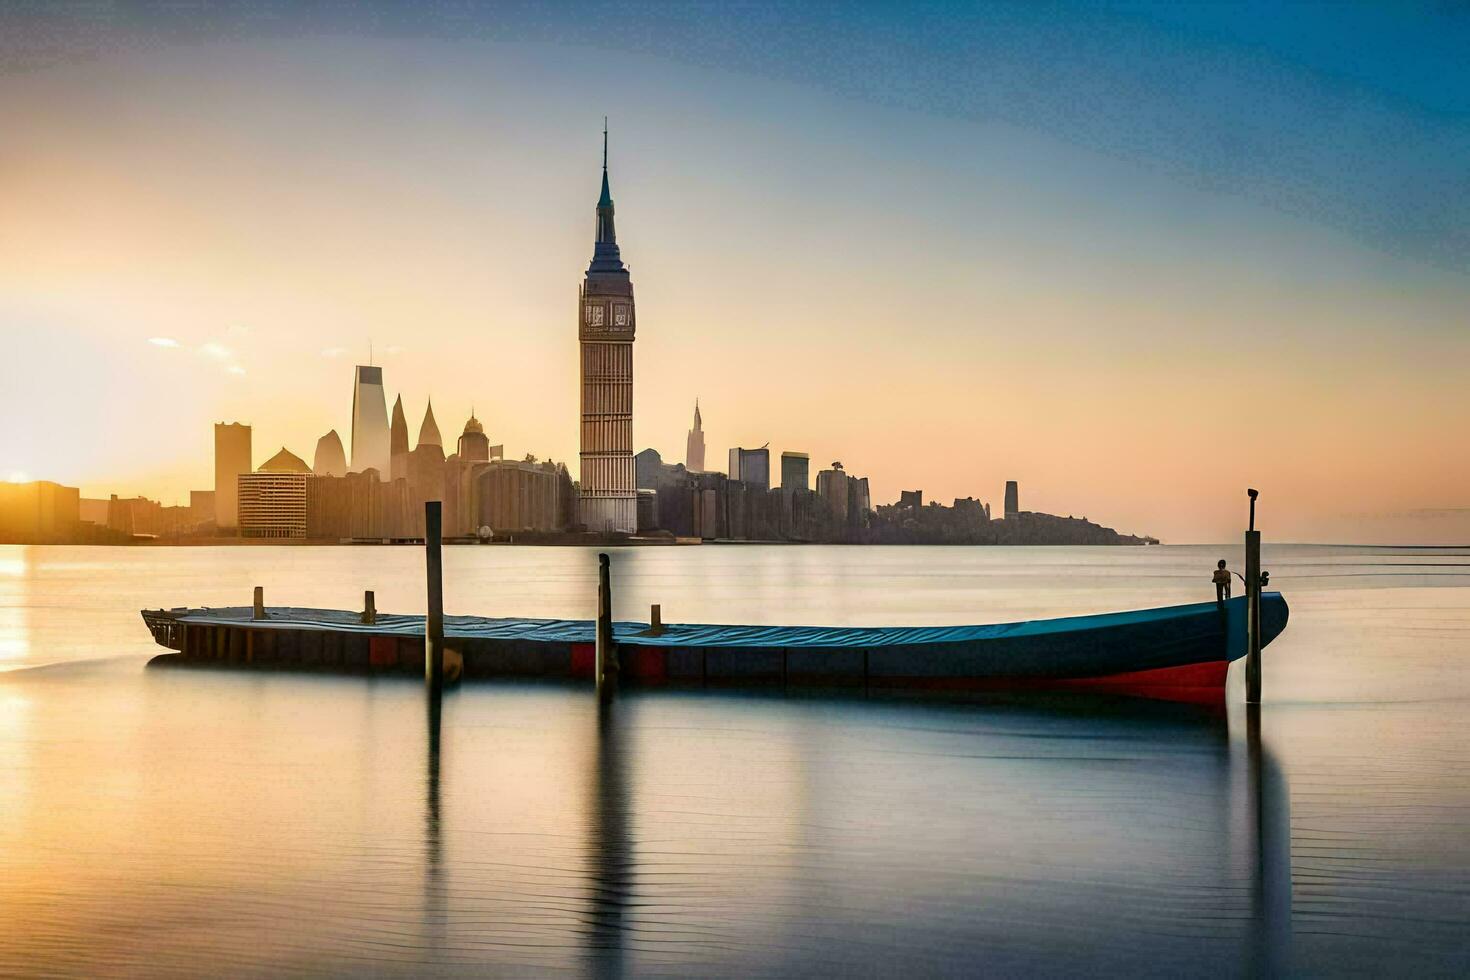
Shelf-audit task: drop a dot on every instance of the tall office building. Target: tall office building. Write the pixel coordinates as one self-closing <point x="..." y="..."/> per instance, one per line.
<point x="1013" y="499"/>
<point x="231" y="458"/>
<point x="370" y="423"/>
<point x="795" y="471"/>
<point x="751" y="467"/>
<point x="605" y="326"/>
<point x="398" y="443"/>
<point x="694" y="448"/>
<point x="273" y="498"/>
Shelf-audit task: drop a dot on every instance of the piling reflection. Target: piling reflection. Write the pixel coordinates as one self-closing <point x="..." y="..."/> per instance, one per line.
<point x="1270" y="819"/>
<point x="435" y="890"/>
<point x="610" y="846"/>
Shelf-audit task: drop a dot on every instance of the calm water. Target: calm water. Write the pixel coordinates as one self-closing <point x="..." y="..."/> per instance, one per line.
<point x="176" y="822"/>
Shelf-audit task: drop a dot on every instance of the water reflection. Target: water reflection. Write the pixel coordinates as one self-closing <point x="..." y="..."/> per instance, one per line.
<point x="1269" y="799"/>
<point x="610" y="857"/>
<point x="436" y="910"/>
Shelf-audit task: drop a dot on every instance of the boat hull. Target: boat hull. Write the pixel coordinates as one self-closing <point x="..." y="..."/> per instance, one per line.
<point x="1177" y="651"/>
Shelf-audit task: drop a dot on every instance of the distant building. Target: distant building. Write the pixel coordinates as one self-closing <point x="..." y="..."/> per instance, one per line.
<point x="694" y="447"/>
<point x="94" y="510"/>
<point x="201" y="506"/>
<point x="330" y="459"/>
<point x="795" y="471"/>
<point x="751" y="467"/>
<point x="358" y="505"/>
<point x="910" y="499"/>
<point x="429" y="429"/>
<point x="1013" y="499"/>
<point x="474" y="445"/>
<point x="370" y="447"/>
<point x="39" y="512"/>
<point x="273" y="498"/>
<point x="524" y="496"/>
<point x="647" y="510"/>
<point x="231" y="458"/>
<point x="398" y="443"/>
<point x="648" y="467"/>
<point x="605" y="328"/>
<point x="832" y="489"/>
<point x="859" y="501"/>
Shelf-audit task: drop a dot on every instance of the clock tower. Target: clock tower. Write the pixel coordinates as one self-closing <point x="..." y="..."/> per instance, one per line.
<point x="605" y="323"/>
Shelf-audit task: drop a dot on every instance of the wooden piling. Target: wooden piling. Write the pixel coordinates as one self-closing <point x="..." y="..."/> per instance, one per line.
<point x="1253" y="606"/>
<point x="606" y="659"/>
<point x="655" y="620"/>
<point x="369" y="610"/>
<point x="259" y="611"/>
<point x="1253" y="616"/>
<point x="434" y="622"/>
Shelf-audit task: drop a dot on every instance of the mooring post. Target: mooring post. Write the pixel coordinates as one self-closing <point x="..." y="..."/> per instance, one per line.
<point x="259" y="612"/>
<point x="1253" y="608"/>
<point x="606" y="660"/>
<point x="369" y="610"/>
<point x="434" y="622"/>
<point x="655" y="620"/>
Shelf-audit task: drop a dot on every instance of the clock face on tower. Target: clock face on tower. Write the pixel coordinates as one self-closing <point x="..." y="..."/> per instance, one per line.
<point x="594" y="314"/>
<point x="620" y="316"/>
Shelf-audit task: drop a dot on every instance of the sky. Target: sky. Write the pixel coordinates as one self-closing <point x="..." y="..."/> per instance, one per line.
<point x="1135" y="256"/>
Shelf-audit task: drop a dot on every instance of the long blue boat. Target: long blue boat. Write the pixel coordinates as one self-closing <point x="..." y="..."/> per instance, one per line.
<point x="1177" y="652"/>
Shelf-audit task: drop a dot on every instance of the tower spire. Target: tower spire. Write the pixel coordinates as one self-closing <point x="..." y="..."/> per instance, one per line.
<point x="605" y="254"/>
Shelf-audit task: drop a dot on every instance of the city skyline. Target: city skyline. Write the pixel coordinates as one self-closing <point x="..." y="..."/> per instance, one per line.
<point x="1027" y="287"/>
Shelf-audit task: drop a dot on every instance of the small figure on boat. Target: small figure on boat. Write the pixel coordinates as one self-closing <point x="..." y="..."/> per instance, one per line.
<point x="1221" y="578"/>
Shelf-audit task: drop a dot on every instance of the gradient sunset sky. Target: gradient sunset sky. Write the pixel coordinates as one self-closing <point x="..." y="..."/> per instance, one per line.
<point x="1137" y="256"/>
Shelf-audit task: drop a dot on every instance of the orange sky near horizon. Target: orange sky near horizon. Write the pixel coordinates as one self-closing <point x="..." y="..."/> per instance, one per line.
<point x="945" y="310"/>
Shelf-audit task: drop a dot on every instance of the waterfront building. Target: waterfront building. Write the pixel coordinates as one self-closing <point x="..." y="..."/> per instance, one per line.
<point x="39" y="512"/>
<point x="474" y="445"/>
<point x="357" y="506"/>
<point x="524" y="496"/>
<point x="231" y="458"/>
<point x="370" y="448"/>
<point x="832" y="489"/>
<point x="398" y="443"/>
<point x="647" y="510"/>
<point x="859" y="501"/>
<point x="1013" y="499"/>
<point x="201" y="506"/>
<point x="910" y="499"/>
<point x="648" y="467"/>
<point x="694" y="446"/>
<point x="795" y="471"/>
<point x="751" y="467"/>
<point x="141" y="517"/>
<point x="273" y="498"/>
<point x="605" y="327"/>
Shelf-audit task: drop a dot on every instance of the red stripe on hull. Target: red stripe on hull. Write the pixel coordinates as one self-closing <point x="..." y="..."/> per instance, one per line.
<point x="1202" y="683"/>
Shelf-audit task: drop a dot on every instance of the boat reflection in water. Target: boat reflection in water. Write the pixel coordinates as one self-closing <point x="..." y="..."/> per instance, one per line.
<point x="777" y="835"/>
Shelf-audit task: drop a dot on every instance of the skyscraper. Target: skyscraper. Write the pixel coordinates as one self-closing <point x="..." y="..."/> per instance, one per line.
<point x="605" y="325"/>
<point x="398" y="443"/>
<point x="1013" y="499"/>
<point x="694" y="448"/>
<point x="751" y="467"/>
<point x="370" y="423"/>
<point x="795" y="471"/>
<point x="231" y="458"/>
